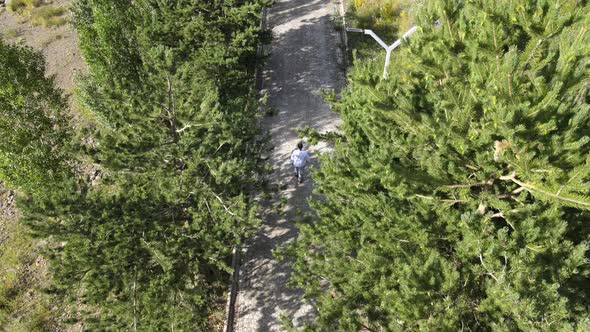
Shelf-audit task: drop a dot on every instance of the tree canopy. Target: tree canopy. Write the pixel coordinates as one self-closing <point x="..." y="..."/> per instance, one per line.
<point x="459" y="196"/>
<point x="34" y="121"/>
<point x="174" y="134"/>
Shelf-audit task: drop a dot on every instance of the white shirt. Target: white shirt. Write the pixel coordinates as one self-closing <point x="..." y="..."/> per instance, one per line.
<point x="299" y="158"/>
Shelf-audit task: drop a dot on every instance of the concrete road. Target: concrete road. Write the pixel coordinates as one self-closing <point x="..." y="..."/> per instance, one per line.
<point x="305" y="59"/>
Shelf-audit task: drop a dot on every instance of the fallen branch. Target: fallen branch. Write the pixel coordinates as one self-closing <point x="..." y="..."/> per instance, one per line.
<point x="485" y="267"/>
<point x="223" y="204"/>
<point x="186" y="127"/>
<point x="532" y="189"/>
<point x="452" y="201"/>
<point x="469" y="185"/>
<point x="501" y="215"/>
<point x="511" y="194"/>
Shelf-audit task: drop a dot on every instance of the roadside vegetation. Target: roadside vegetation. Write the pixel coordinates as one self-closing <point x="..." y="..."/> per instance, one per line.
<point x="33" y="157"/>
<point x="458" y="196"/>
<point x="389" y="19"/>
<point x="39" y="12"/>
<point x="138" y="204"/>
<point x="24" y="282"/>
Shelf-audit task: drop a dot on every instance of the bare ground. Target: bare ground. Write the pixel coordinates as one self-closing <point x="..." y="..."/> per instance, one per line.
<point x="58" y="44"/>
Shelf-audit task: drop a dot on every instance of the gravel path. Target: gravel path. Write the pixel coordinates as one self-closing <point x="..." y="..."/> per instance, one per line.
<point x="305" y="59"/>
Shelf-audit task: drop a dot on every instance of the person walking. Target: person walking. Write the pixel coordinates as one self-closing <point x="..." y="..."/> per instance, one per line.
<point x="299" y="159"/>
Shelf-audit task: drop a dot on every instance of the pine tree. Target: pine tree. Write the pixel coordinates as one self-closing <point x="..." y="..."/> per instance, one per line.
<point x="170" y="91"/>
<point x="33" y="122"/>
<point x="460" y="197"/>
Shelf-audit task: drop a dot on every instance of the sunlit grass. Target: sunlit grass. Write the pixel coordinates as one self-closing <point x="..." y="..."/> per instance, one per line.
<point x="388" y="18"/>
<point x="10" y="33"/>
<point x="39" y="14"/>
<point x="18" y="5"/>
<point x="48" y="16"/>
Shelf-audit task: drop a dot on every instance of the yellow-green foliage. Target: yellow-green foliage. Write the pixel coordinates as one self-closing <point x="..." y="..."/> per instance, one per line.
<point x="39" y="13"/>
<point x="388" y="18"/>
<point x="10" y="33"/>
<point x="384" y="14"/>
<point x="16" y="5"/>
<point x="48" y="16"/>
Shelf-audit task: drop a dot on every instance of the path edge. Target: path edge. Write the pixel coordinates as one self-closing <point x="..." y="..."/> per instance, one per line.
<point x="342" y="6"/>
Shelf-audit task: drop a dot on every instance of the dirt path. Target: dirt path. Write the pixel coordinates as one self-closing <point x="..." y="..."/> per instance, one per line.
<point x="304" y="60"/>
